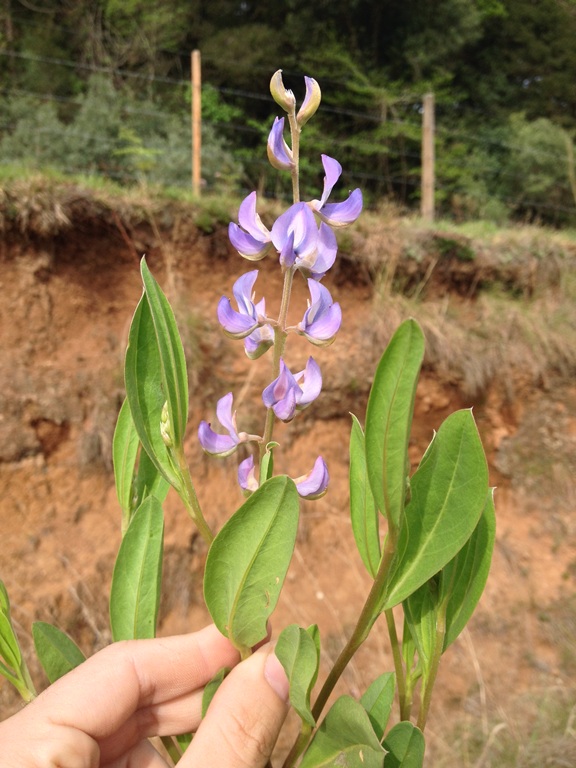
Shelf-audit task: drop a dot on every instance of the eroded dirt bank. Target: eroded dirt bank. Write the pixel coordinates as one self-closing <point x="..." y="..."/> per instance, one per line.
<point x="66" y="305"/>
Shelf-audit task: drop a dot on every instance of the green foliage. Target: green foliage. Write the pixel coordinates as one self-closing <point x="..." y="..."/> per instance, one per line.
<point x="248" y="561"/>
<point x="299" y="654"/>
<point x="136" y="582"/>
<point x="57" y="652"/>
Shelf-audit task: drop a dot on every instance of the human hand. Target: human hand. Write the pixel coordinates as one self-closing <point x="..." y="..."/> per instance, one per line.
<point x="101" y="714"/>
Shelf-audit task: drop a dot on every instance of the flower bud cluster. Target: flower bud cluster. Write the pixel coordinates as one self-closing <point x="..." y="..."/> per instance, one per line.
<point x="303" y="239"/>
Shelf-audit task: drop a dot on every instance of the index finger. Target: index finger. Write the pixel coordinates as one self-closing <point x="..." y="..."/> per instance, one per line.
<point x="130" y="675"/>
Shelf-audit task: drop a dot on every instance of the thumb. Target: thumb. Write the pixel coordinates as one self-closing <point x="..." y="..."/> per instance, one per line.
<point x="244" y="718"/>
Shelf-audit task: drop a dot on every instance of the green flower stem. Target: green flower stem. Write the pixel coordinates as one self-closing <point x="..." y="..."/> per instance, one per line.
<point x="428" y="684"/>
<point x="299" y="745"/>
<point x="280" y="337"/>
<point x="295" y="136"/>
<point x="405" y="704"/>
<point x="368" y="616"/>
<point x="190" y="499"/>
<point x="170" y="746"/>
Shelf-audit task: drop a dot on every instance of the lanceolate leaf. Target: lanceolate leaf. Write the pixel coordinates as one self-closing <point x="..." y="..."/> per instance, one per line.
<point x="421" y="613"/>
<point x="345" y="738"/>
<point x="389" y="418"/>
<point x="378" y="700"/>
<point x="464" y="578"/>
<point x="248" y="560"/>
<point x="363" y="512"/>
<point x="448" y="494"/>
<point x="145" y="389"/>
<point x="298" y="654"/>
<point x="211" y="687"/>
<point x="171" y="353"/>
<point x="57" y="653"/>
<point x="148" y="481"/>
<point x="124" y="453"/>
<point x="9" y="647"/>
<point x="135" y="591"/>
<point x="405" y="746"/>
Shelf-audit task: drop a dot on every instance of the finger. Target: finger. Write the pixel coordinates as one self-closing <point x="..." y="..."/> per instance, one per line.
<point x="244" y="718"/>
<point x="142" y="756"/>
<point x="130" y="675"/>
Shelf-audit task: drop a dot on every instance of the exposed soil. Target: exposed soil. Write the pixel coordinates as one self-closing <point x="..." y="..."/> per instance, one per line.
<point x="66" y="306"/>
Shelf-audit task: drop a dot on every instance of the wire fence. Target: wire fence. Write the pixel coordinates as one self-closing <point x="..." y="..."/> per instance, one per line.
<point x="388" y="168"/>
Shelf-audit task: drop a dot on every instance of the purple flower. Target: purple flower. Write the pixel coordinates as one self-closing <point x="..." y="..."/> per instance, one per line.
<point x="322" y="319"/>
<point x="314" y="484"/>
<point x="251" y="239"/>
<point x="336" y="214"/>
<point x="214" y="443"/>
<point x="247" y="476"/>
<point x="296" y="236"/>
<point x="242" y="323"/>
<point x="260" y="340"/>
<point x="279" y="153"/>
<point x="289" y="393"/>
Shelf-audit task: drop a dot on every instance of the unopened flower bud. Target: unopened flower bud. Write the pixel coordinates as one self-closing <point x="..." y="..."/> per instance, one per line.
<point x="281" y="95"/>
<point x="166" y="427"/>
<point x="311" y="101"/>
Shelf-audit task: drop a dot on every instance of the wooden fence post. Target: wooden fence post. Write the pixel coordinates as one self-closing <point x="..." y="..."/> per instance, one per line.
<point x="427" y="199"/>
<point x="196" y="116"/>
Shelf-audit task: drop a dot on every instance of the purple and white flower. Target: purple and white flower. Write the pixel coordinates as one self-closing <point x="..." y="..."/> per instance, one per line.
<point x="336" y="214"/>
<point x="311" y="101"/>
<point x="279" y="153"/>
<point x="250" y="237"/>
<point x="217" y="444"/>
<point x="312" y="485"/>
<point x="322" y="319"/>
<point x="289" y="393"/>
<point x="241" y="323"/>
<point x="300" y="243"/>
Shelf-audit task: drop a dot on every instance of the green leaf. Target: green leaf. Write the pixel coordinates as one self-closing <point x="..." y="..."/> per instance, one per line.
<point x="421" y="614"/>
<point x="9" y="646"/>
<point x="405" y="746"/>
<point x="378" y="700"/>
<point x="148" y="481"/>
<point x="363" y="511"/>
<point x="248" y="560"/>
<point x="448" y="493"/>
<point x="464" y="578"/>
<point x="145" y="389"/>
<point x="297" y="652"/>
<point x="171" y="353"/>
<point x="124" y="454"/>
<point x="345" y="738"/>
<point x="135" y="473"/>
<point x="57" y="652"/>
<point x="389" y="418"/>
<point x="211" y="687"/>
<point x="136" y="581"/>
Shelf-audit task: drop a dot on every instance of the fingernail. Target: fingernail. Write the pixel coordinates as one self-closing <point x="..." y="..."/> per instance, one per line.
<point x="274" y="673"/>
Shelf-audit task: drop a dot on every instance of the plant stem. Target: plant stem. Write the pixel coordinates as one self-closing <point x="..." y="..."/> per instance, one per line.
<point x="398" y="665"/>
<point x="190" y="500"/>
<point x="170" y="746"/>
<point x="428" y="685"/>
<point x="368" y="616"/>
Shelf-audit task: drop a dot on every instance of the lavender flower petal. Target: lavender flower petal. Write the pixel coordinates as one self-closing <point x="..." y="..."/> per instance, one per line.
<point x="314" y="484"/>
<point x="325" y="255"/>
<point x="295" y="235"/>
<point x="282" y="394"/>
<point x="310" y="383"/>
<point x="251" y="239"/>
<point x="279" y="153"/>
<point x="344" y="213"/>
<point x="333" y="171"/>
<point x="213" y="443"/>
<point x="247" y="475"/>
<point x="322" y="319"/>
